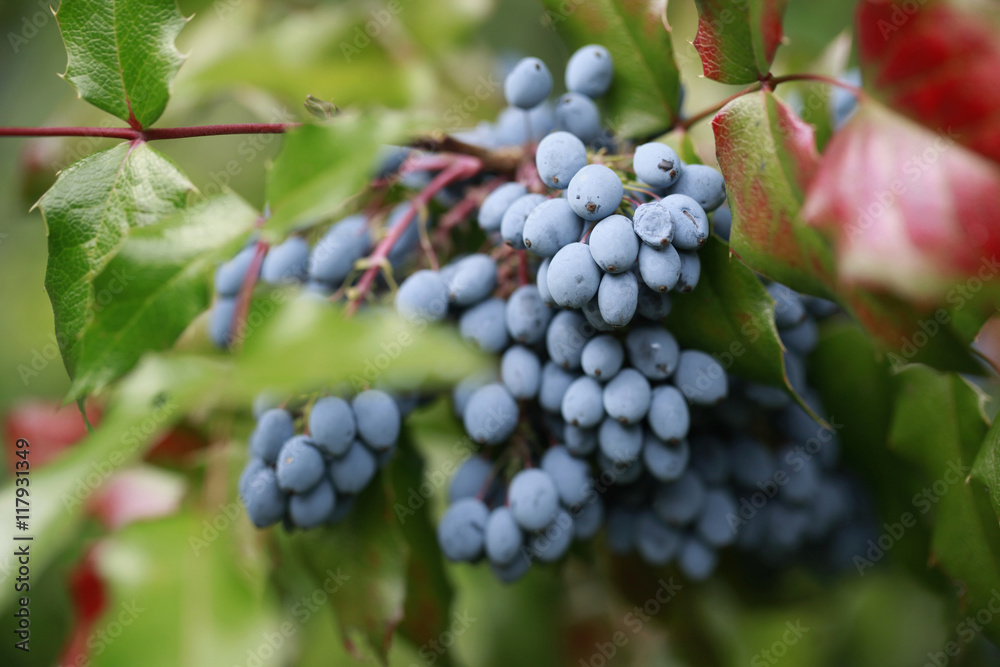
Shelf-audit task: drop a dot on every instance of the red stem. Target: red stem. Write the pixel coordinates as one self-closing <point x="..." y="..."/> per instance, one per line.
<point x="522" y="267"/>
<point x="152" y="134"/>
<point x="819" y="78"/>
<point x="246" y="289"/>
<point x="461" y="166"/>
<point x="688" y="122"/>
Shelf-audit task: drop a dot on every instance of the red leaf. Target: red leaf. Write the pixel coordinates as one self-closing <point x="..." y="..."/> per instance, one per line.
<point x="937" y="64"/>
<point x="911" y="210"/>
<point x="48" y="426"/>
<point x="737" y="39"/>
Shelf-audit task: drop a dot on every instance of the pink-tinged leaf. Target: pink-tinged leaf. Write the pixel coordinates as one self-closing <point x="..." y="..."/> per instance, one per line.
<point x="937" y="64"/>
<point x="737" y="39"/>
<point x="912" y="211"/>
<point x="768" y="155"/>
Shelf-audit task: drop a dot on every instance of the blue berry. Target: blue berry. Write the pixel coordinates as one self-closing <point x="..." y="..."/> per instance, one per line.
<point x="573" y="276"/>
<point x="496" y="204"/>
<point x="333" y="257"/>
<point x="253" y="466"/>
<point x="653" y="352"/>
<point x="462" y="530"/>
<point x="422" y="297"/>
<point x="653" y="224"/>
<point x="264" y="499"/>
<point x="715" y="523"/>
<point x="690" y="273"/>
<point x="286" y="262"/>
<point x="220" y="321"/>
<point x="469" y="479"/>
<point x="471" y="280"/>
<point x="679" y="502"/>
<point x="567" y="334"/>
<point x="701" y="183"/>
<point x="512" y="223"/>
<point x="690" y="222"/>
<point x="550" y="544"/>
<point x="526" y="315"/>
<point x="542" y="282"/>
<point x="528" y="84"/>
<point x="627" y="396"/>
<point x="520" y="371"/>
<point x="352" y="472"/>
<point x="310" y="509"/>
<point x="595" y="192"/>
<point x="592" y="311"/>
<point x="579" y="115"/>
<point x="491" y="415"/>
<point x="587" y="519"/>
<point x="378" y="418"/>
<point x="570" y="475"/>
<point x="559" y="156"/>
<point x="666" y="462"/>
<point x="550" y="226"/>
<point x="602" y="357"/>
<point x="660" y="269"/>
<point x="669" y="416"/>
<point x="697" y="560"/>
<point x="583" y="405"/>
<point x="657" y="164"/>
<point x="613" y="244"/>
<point x="580" y="441"/>
<point x="503" y="537"/>
<point x="300" y="465"/>
<point x="274" y="429"/>
<point x="484" y="325"/>
<point x="229" y="277"/>
<point x="553" y="385"/>
<point x="618" y="298"/>
<point x="533" y="499"/>
<point x="332" y="427"/>
<point x="653" y="305"/>
<point x="620" y="443"/>
<point x="589" y="71"/>
<point x="701" y="378"/>
<point x="657" y="542"/>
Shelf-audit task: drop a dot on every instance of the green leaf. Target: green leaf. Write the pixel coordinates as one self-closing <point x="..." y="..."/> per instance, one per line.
<point x="737" y="39"/>
<point x="645" y="95"/>
<point x="156" y="285"/>
<point x="367" y="551"/>
<point x="196" y="605"/>
<point x="321" y="166"/>
<point x="429" y="594"/>
<point x="89" y="213"/>
<point x="767" y="155"/>
<point x="121" y="54"/>
<point x="730" y="315"/>
<point x="986" y="469"/>
<point x="938" y="423"/>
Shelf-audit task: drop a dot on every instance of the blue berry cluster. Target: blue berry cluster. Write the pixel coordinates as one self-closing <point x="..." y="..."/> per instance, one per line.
<point x="310" y="479"/>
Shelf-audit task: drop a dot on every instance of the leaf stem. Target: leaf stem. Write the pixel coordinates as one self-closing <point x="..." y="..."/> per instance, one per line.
<point x="462" y="166"/>
<point x="153" y="134"/>
<point x="715" y="108"/>
<point x="819" y="78"/>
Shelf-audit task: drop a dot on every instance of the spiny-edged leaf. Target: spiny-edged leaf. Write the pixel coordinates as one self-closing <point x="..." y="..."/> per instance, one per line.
<point x="367" y="552"/>
<point x="737" y="39"/>
<point x="320" y="166"/>
<point x="121" y="53"/>
<point x="429" y="594"/>
<point x="768" y="155"/>
<point x="88" y="213"/>
<point x="938" y="63"/>
<point x="156" y="285"/>
<point x="889" y="188"/>
<point x="198" y="606"/>
<point x="645" y="95"/>
<point x="986" y="469"/>
<point x="731" y="316"/>
<point x="938" y="423"/>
